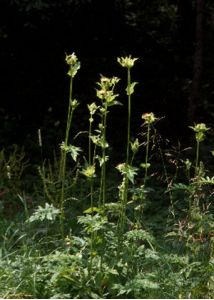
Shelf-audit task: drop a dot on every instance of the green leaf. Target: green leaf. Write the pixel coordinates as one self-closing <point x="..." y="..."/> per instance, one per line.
<point x="73" y="69"/>
<point x="91" y="210"/>
<point x="115" y="103"/>
<point x="151" y="254"/>
<point x="102" y="160"/>
<point x="139" y="234"/>
<point x="130" y="88"/>
<point x="207" y="180"/>
<point x="49" y="216"/>
<point x="73" y="150"/>
<point x="180" y="186"/>
<point x="145" y="165"/>
<point x="127" y="170"/>
<point x="49" y="212"/>
<point x="148" y="284"/>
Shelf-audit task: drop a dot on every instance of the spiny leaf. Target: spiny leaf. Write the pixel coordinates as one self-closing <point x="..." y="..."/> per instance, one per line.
<point x="130" y="88"/>
<point x="127" y="170"/>
<point x="73" y="150"/>
<point x="91" y="210"/>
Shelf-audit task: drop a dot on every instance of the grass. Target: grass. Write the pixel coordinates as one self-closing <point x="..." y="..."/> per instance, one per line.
<point x="80" y="229"/>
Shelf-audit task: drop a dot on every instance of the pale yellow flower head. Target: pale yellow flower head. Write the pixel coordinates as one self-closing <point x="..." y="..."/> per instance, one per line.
<point x="149" y="118"/>
<point x="92" y="108"/>
<point x="89" y="171"/>
<point x="201" y="127"/>
<point x="71" y="59"/>
<point x="74" y="64"/>
<point x="106" y="90"/>
<point x="200" y="130"/>
<point x="126" y="62"/>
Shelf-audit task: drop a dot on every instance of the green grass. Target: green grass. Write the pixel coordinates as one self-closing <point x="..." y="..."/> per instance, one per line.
<point x="84" y="226"/>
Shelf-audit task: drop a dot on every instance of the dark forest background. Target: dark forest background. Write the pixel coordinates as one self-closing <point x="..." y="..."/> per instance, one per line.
<point x="172" y="38"/>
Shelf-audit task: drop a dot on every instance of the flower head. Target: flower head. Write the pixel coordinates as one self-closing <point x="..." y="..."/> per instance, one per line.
<point x="74" y="64"/>
<point x="201" y="127"/>
<point x="71" y="59"/>
<point x="74" y="103"/>
<point x="135" y="146"/>
<point x="200" y="130"/>
<point x="89" y="171"/>
<point x="126" y="62"/>
<point x="92" y="108"/>
<point x="149" y="118"/>
<point x="106" y="91"/>
<point x="108" y="83"/>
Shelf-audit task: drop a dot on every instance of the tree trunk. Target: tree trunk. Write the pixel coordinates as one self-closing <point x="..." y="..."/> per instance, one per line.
<point x="198" y="64"/>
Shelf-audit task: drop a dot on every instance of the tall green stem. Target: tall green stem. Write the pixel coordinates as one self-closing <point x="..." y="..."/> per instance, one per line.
<point x="126" y="182"/>
<point x="129" y="116"/>
<point x="90" y="163"/>
<point x="126" y="62"/>
<point x="107" y="96"/>
<point x="102" y="199"/>
<point x="197" y="157"/>
<point x="147" y="153"/>
<point x="199" y="130"/>
<point x="89" y="143"/>
<point x="104" y="155"/>
<point x="64" y="157"/>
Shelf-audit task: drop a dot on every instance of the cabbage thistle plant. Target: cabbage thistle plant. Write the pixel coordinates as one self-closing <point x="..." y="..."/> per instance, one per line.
<point x="200" y="134"/>
<point x="74" y="65"/>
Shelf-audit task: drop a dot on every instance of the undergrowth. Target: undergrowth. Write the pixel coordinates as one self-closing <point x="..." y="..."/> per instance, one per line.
<point x="84" y="229"/>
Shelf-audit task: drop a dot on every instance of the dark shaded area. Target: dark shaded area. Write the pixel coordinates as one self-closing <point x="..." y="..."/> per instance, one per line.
<point x="35" y="35"/>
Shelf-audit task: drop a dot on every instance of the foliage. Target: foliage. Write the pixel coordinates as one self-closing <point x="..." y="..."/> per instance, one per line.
<point x="44" y="213"/>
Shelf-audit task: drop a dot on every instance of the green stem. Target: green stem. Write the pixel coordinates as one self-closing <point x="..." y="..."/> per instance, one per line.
<point x="70" y="113"/>
<point x="147" y="153"/>
<point x="129" y="116"/>
<point x="102" y="198"/>
<point x="89" y="143"/>
<point x="104" y="156"/>
<point x="64" y="156"/>
<point x="126" y="184"/>
<point x="197" y="157"/>
<point x="92" y="180"/>
<point x="90" y="162"/>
